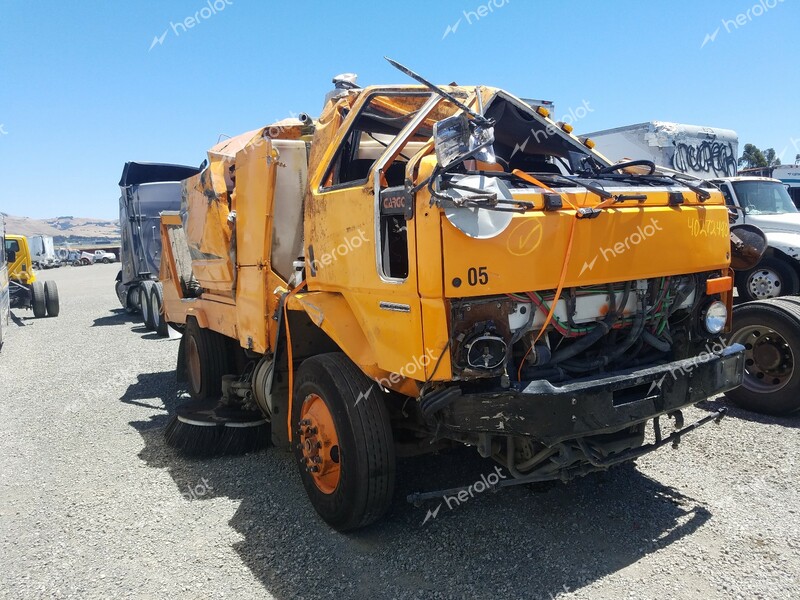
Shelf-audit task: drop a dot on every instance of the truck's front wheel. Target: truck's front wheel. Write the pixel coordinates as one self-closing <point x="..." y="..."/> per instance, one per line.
<point x="772" y="277"/>
<point x="342" y="442"/>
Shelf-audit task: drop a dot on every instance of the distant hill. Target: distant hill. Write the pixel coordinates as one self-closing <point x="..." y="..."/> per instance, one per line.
<point x="76" y="230"/>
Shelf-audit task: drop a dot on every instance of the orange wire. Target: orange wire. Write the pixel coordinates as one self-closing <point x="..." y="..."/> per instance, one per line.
<point x="289" y="355"/>
<point x="559" y="289"/>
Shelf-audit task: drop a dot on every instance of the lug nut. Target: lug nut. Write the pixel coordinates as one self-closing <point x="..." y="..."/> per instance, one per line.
<point x="305" y="422"/>
<point x="314" y="469"/>
<point x="316" y="460"/>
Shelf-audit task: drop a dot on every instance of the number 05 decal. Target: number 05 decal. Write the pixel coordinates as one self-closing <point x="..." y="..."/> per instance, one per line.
<point x="477" y="276"/>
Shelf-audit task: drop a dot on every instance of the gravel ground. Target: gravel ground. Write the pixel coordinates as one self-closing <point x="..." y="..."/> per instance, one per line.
<point x="95" y="506"/>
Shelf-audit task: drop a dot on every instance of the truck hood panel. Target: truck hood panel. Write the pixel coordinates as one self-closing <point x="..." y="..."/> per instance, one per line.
<point x="619" y="245"/>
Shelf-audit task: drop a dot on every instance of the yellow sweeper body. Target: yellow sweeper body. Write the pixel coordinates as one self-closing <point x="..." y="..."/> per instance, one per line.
<point x="381" y="294"/>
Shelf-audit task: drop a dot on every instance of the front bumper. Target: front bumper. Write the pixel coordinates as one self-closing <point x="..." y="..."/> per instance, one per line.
<point x="551" y="414"/>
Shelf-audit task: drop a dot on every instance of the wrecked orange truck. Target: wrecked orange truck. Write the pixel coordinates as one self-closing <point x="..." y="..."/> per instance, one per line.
<point x="425" y="266"/>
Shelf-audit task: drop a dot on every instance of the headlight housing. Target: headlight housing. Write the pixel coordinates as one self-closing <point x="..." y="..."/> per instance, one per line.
<point x="715" y="316"/>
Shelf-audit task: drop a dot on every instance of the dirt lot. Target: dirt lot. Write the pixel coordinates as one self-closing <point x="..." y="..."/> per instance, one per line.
<point x="94" y="505"/>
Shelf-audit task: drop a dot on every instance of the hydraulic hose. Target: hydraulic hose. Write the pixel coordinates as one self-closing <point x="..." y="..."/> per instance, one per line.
<point x="655" y="342"/>
<point x="602" y="328"/>
<point x="633" y="335"/>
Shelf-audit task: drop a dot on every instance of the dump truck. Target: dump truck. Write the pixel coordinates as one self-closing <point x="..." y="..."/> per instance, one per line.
<point x="26" y="290"/>
<point x="425" y="266"/>
<point x="146" y="190"/>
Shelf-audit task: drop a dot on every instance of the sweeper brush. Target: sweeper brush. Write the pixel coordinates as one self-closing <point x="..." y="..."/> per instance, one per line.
<point x="213" y="428"/>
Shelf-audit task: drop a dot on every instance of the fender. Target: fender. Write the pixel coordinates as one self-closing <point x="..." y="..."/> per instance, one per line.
<point x="785" y="242"/>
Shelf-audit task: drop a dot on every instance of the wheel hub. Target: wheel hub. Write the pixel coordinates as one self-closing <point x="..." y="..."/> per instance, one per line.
<point x="764" y="283"/>
<point x="769" y="362"/>
<point x="319" y="444"/>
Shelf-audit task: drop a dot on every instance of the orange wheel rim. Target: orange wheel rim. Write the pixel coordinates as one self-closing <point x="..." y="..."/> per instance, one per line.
<point x="319" y="444"/>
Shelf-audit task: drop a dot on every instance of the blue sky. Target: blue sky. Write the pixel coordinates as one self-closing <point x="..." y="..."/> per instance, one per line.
<point x="82" y="91"/>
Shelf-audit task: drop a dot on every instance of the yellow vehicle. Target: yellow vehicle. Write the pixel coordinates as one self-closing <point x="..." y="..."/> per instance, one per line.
<point x="4" y="291"/>
<point x="26" y="291"/>
<point x="427" y="266"/>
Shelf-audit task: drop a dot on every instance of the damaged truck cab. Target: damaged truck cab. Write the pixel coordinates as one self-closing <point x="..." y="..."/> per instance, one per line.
<point x="422" y="267"/>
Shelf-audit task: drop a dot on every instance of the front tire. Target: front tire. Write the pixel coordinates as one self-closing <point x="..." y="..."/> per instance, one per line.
<point x="770" y="278"/>
<point x="51" y="298"/>
<point x="343" y="442"/>
<point x="38" y="302"/>
<point x="770" y="332"/>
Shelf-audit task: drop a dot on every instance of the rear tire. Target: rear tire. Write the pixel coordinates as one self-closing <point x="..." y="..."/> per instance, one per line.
<point x="51" y="298"/>
<point x="206" y="360"/>
<point x="157" y="308"/>
<point x="145" y="289"/>
<point x="38" y="302"/>
<point x="770" y="333"/>
<point x="770" y="278"/>
<point x="343" y="411"/>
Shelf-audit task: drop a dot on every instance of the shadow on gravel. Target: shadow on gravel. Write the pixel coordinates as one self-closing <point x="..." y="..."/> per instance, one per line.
<point x="519" y="542"/>
<point x="118" y="316"/>
<point x="734" y="412"/>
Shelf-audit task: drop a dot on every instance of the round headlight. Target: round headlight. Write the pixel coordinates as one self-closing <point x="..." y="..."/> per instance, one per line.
<point x="715" y="317"/>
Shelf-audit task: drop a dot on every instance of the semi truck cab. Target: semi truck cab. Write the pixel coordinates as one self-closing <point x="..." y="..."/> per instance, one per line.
<point x="765" y="202"/>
